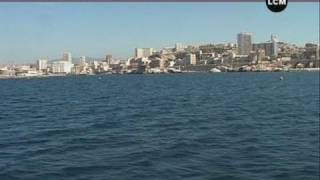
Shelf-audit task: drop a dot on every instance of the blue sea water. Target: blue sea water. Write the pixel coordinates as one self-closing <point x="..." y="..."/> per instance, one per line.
<point x="178" y="126"/>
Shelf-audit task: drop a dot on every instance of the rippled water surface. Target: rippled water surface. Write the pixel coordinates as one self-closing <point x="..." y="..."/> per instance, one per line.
<point x="185" y="126"/>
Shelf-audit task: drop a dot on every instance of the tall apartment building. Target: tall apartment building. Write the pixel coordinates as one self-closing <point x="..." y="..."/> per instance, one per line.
<point x="244" y="43"/>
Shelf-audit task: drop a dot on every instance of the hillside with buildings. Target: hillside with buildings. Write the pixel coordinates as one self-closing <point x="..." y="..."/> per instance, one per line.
<point x="245" y="55"/>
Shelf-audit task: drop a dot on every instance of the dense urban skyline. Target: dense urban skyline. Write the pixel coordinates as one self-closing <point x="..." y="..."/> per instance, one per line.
<point x="44" y="30"/>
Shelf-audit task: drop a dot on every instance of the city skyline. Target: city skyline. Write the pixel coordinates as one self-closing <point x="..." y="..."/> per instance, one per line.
<point x="95" y="30"/>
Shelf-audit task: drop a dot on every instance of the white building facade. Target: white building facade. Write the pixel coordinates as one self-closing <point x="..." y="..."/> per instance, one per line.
<point x="191" y="59"/>
<point x="61" y="67"/>
<point x="42" y="64"/>
<point x="143" y="52"/>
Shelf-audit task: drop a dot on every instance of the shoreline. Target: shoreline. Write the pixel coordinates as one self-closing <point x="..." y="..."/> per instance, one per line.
<point x="4" y="77"/>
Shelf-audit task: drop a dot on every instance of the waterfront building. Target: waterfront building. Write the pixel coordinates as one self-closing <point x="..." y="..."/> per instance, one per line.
<point x="23" y="68"/>
<point x="191" y="59"/>
<point x="108" y="59"/>
<point x="76" y="69"/>
<point x="5" y="71"/>
<point x="162" y="64"/>
<point x="274" y="42"/>
<point x="311" y="51"/>
<point x="261" y="55"/>
<point x="136" y="65"/>
<point x="82" y="61"/>
<point x="270" y="47"/>
<point x="95" y="65"/>
<point x="242" y="60"/>
<point x="244" y="43"/>
<point x="61" y="67"/>
<point x="67" y="57"/>
<point x="267" y="47"/>
<point x="143" y="52"/>
<point x="154" y="63"/>
<point x="42" y="64"/>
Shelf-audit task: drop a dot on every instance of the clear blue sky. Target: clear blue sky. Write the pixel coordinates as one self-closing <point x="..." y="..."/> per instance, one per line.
<point x="29" y="31"/>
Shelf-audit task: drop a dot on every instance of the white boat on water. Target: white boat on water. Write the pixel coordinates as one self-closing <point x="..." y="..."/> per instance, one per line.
<point x="215" y="70"/>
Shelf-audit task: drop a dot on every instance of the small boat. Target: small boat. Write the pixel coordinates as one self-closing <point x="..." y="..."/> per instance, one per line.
<point x="215" y="70"/>
<point x="174" y="70"/>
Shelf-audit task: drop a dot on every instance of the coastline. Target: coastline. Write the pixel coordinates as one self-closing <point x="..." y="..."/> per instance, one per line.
<point x="5" y="77"/>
